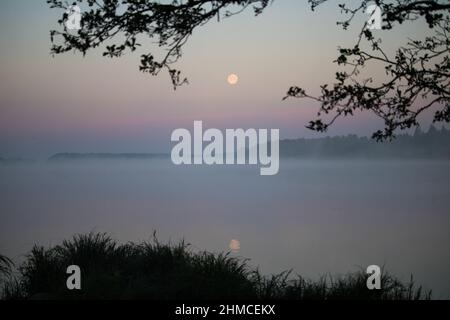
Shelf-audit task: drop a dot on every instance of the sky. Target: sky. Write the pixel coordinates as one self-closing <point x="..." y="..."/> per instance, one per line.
<point x="71" y="103"/>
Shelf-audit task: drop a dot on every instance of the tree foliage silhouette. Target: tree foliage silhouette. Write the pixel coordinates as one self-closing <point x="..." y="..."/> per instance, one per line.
<point x="416" y="76"/>
<point x="124" y="21"/>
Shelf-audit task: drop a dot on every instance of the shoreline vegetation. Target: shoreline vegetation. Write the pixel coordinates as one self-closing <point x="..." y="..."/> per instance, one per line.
<point x="155" y="271"/>
<point x="433" y="144"/>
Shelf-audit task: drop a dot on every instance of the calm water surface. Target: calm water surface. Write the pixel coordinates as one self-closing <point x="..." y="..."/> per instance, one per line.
<point x="314" y="217"/>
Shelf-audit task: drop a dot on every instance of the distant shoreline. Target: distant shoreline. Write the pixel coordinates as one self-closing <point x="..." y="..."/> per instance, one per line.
<point x="431" y="145"/>
<point x="107" y="156"/>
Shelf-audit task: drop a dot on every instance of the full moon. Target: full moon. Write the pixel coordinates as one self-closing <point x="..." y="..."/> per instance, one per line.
<point x="232" y="79"/>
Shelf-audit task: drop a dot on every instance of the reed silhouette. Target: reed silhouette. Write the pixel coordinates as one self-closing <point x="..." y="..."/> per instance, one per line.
<point x="152" y="270"/>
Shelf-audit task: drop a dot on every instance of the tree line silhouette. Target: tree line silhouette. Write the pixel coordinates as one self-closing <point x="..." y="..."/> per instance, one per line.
<point x="433" y="144"/>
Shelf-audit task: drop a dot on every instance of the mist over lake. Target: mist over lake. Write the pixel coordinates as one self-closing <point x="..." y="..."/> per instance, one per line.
<point x="314" y="216"/>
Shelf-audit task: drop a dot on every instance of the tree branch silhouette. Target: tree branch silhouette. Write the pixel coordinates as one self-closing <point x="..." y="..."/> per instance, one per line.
<point x="416" y="76"/>
<point x="170" y="24"/>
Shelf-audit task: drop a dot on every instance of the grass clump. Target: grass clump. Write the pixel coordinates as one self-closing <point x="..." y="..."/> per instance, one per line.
<point x="152" y="270"/>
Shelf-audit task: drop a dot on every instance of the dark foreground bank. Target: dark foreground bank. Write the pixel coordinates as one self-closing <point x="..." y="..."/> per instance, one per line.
<point x="156" y="271"/>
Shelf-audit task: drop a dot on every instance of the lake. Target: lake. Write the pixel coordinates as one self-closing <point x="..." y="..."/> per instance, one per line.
<point x="314" y="217"/>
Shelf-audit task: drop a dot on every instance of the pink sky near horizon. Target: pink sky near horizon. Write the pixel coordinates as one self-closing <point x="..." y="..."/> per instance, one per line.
<point x="70" y="103"/>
